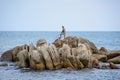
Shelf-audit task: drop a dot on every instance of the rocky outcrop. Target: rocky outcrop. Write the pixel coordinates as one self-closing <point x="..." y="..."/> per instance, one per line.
<point x="70" y="53"/>
<point x="73" y="42"/>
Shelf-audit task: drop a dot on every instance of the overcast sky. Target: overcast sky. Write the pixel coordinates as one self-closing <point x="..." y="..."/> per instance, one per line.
<point x="50" y="15"/>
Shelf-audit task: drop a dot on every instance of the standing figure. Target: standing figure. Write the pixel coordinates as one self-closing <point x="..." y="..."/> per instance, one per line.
<point x="63" y="32"/>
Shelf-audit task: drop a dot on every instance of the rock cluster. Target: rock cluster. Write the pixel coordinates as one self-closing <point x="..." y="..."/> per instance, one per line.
<point x="70" y="53"/>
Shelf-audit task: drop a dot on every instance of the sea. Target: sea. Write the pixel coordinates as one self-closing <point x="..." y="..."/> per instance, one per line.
<point x="10" y="39"/>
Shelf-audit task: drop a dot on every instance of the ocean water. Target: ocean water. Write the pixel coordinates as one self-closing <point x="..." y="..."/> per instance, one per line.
<point x="8" y="40"/>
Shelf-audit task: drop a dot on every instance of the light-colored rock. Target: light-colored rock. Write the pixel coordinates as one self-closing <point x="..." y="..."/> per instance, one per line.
<point x="41" y="42"/>
<point x="100" y="57"/>
<point x="47" y="58"/>
<point x="71" y="41"/>
<point x="15" y="51"/>
<point x="31" y="47"/>
<point x="103" y="51"/>
<point x="113" y="66"/>
<point x="23" y="59"/>
<point x="36" y="60"/>
<point x="6" y="56"/>
<point x="74" y="51"/>
<point x="95" y="62"/>
<point x="58" y="43"/>
<point x="54" y="56"/>
<point x="115" y="60"/>
<point x="25" y="47"/>
<point x="112" y="54"/>
<point x="11" y="55"/>
<point x="91" y="45"/>
<point x="84" y="55"/>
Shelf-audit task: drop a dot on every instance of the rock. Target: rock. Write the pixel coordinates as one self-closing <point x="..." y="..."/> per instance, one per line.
<point x="6" y="56"/>
<point x="3" y="64"/>
<point x="112" y="54"/>
<point x="91" y="45"/>
<point x="84" y="55"/>
<point x="100" y="57"/>
<point x="41" y="42"/>
<point x="74" y="51"/>
<point x="58" y="43"/>
<point x="54" y="56"/>
<point x="103" y="51"/>
<point x="11" y="55"/>
<point x="115" y="60"/>
<point x="95" y="62"/>
<point x="47" y="58"/>
<point x="15" y="51"/>
<point x="36" y="60"/>
<point x="79" y="63"/>
<point x="71" y="41"/>
<point x="113" y="66"/>
<point x="64" y="52"/>
<point x="31" y="47"/>
<point x="23" y="59"/>
<point x="25" y="47"/>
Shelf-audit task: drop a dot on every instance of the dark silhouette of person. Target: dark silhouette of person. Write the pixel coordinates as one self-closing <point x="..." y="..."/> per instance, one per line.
<point x="63" y="32"/>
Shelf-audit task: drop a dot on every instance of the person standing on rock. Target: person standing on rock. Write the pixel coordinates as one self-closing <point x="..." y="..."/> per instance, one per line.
<point x="63" y="32"/>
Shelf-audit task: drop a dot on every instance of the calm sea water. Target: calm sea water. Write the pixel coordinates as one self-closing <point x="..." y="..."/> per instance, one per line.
<point x="8" y="40"/>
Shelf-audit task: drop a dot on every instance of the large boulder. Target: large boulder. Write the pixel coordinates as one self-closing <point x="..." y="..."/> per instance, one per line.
<point x="23" y="59"/>
<point x="36" y="60"/>
<point x="73" y="42"/>
<point x="47" y="58"/>
<point x="11" y="55"/>
<point x="64" y="53"/>
<point x="54" y="56"/>
<point x="6" y="56"/>
<point x="84" y="54"/>
<point x="91" y="45"/>
<point x="112" y="54"/>
<point x="115" y="60"/>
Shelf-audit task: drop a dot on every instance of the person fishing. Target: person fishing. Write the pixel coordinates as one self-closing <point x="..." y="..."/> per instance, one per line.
<point x="63" y="32"/>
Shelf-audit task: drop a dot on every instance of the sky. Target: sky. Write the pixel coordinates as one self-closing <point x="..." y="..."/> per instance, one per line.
<point x="50" y="15"/>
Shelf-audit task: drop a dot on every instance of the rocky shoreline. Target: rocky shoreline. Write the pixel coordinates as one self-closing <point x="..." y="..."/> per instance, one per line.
<point x="70" y="53"/>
